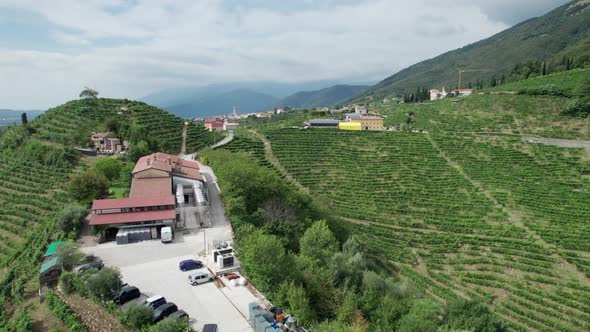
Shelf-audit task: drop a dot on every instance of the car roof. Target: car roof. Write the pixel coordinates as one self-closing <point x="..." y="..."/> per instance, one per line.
<point x="178" y="313"/>
<point x="128" y="288"/>
<point x="154" y="298"/>
<point x="209" y="328"/>
<point x="200" y="273"/>
<point x="164" y="306"/>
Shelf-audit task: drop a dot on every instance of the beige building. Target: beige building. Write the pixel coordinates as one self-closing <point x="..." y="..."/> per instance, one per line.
<point x="369" y="122"/>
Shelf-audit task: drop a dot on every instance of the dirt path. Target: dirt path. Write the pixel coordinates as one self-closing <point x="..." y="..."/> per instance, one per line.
<point x="268" y="154"/>
<point x="564" y="143"/>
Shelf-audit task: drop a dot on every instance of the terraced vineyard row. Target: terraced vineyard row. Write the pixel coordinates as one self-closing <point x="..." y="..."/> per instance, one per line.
<point x="31" y="196"/>
<point x="410" y="205"/>
<point x="250" y="145"/>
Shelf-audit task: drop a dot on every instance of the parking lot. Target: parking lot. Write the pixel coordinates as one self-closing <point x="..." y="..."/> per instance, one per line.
<point x="153" y="267"/>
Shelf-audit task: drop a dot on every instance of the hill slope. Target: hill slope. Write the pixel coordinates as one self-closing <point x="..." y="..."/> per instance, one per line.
<point x="563" y="31"/>
<point x="246" y="101"/>
<point x="321" y="98"/>
<point x="471" y="208"/>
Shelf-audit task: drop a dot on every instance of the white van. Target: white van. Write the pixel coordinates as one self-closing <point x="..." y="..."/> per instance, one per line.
<point x="167" y="235"/>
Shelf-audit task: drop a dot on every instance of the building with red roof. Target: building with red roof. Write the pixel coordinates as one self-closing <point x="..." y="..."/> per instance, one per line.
<point x="165" y="191"/>
<point x="213" y="124"/>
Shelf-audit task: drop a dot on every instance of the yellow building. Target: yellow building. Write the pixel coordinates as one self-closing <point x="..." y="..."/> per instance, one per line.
<point x="369" y="122"/>
<point x="349" y="126"/>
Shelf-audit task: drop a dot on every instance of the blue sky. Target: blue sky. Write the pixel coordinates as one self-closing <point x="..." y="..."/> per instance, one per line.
<point x="132" y="48"/>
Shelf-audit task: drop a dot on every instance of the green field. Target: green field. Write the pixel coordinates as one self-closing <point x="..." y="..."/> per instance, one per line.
<point x="488" y="216"/>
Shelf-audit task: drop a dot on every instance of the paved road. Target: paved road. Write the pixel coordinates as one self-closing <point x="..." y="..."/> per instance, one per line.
<point x="564" y="143"/>
<point x="227" y="139"/>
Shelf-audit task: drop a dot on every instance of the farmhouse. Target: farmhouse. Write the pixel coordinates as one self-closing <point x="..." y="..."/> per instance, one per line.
<point x="213" y="124"/>
<point x="106" y="143"/>
<point x="165" y="191"/>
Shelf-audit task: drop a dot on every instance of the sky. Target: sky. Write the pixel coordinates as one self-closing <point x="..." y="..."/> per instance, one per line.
<point x="51" y="50"/>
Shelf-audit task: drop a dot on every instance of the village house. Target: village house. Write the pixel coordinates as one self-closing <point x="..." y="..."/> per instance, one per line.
<point x="107" y="143"/>
<point x="213" y="124"/>
<point x="370" y="122"/>
<point x="230" y="125"/>
<point x="435" y="94"/>
<point x="360" y="109"/>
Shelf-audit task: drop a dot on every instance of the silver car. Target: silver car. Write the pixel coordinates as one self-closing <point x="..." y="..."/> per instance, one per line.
<point x="200" y="278"/>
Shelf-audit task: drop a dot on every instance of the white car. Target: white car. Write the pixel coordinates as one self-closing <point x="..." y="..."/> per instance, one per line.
<point x="200" y="278"/>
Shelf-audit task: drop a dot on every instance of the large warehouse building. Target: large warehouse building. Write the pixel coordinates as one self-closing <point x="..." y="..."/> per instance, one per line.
<point x="165" y="191"/>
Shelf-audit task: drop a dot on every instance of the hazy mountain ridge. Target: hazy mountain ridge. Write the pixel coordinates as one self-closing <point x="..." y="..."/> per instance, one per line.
<point x="321" y="98"/>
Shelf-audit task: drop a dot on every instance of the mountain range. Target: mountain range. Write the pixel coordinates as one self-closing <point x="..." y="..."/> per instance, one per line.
<point x="563" y="32"/>
<point x="250" y="97"/>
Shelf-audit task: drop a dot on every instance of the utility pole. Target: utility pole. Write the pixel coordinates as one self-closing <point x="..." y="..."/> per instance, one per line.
<point x="461" y="71"/>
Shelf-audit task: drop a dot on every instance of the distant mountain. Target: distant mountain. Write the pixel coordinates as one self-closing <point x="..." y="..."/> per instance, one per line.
<point x="321" y="98"/>
<point x="564" y="31"/>
<point x="246" y="101"/>
<point x="10" y="117"/>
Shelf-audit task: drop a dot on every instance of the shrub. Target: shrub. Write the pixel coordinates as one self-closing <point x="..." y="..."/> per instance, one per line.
<point x="171" y="325"/>
<point x="72" y="218"/>
<point x="89" y="185"/>
<point x="137" y="316"/>
<point x="104" y="283"/>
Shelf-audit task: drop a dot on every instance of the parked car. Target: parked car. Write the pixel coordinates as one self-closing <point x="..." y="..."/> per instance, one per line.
<point x="200" y="278"/>
<point x="209" y="328"/>
<point x="163" y="311"/>
<point x="155" y="301"/>
<point x="93" y="265"/>
<point x="126" y="294"/>
<point x="190" y="264"/>
<point x="178" y="315"/>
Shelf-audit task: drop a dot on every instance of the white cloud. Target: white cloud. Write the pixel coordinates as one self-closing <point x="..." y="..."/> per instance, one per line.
<point x="159" y="44"/>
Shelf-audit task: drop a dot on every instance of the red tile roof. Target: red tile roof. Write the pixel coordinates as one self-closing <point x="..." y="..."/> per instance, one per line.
<point x="163" y="162"/>
<point x="131" y="217"/>
<point x="149" y="187"/>
<point x="119" y="203"/>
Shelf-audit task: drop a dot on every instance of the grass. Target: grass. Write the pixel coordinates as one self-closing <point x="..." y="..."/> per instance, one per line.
<point x="118" y="190"/>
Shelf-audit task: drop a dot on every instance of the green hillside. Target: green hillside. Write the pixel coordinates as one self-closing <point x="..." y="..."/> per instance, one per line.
<point x="460" y="202"/>
<point x="35" y="167"/>
<point x="563" y="32"/>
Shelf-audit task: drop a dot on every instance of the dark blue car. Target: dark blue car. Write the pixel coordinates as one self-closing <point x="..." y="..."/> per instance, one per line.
<point x="190" y="264"/>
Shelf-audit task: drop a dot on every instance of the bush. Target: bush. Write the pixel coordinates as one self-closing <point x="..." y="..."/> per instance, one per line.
<point x="69" y="254"/>
<point x="137" y="316"/>
<point x="546" y="90"/>
<point x="172" y="325"/>
<point x="104" y="283"/>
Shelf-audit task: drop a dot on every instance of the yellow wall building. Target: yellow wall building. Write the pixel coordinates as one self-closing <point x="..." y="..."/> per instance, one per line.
<point x="349" y="126"/>
<point x="369" y="122"/>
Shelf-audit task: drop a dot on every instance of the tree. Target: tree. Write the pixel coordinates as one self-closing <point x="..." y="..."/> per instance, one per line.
<point x="104" y="283"/>
<point x="423" y="316"/>
<point x="295" y="301"/>
<point x="172" y="325"/>
<point x="89" y="185"/>
<point x="69" y="254"/>
<point x="109" y="167"/>
<point x="138" y="150"/>
<point x="262" y="257"/>
<point x="88" y="93"/>
<point x="137" y="316"/>
<point x="319" y="242"/>
<point x="72" y="218"/>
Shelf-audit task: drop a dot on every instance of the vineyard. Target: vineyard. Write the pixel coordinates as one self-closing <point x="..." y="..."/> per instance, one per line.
<point x="489" y="113"/>
<point x="486" y="217"/>
<point x="72" y="122"/>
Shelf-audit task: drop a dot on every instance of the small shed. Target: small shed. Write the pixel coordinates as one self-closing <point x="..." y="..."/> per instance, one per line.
<point x="50" y="272"/>
<point x="51" y="250"/>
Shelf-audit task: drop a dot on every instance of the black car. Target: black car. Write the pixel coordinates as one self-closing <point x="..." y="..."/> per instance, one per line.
<point x="180" y="314"/>
<point x="126" y="294"/>
<point x="209" y="328"/>
<point x="163" y="311"/>
<point x="93" y="265"/>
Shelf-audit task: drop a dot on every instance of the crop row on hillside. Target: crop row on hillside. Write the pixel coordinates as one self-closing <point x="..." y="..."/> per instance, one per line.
<point x="452" y="221"/>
